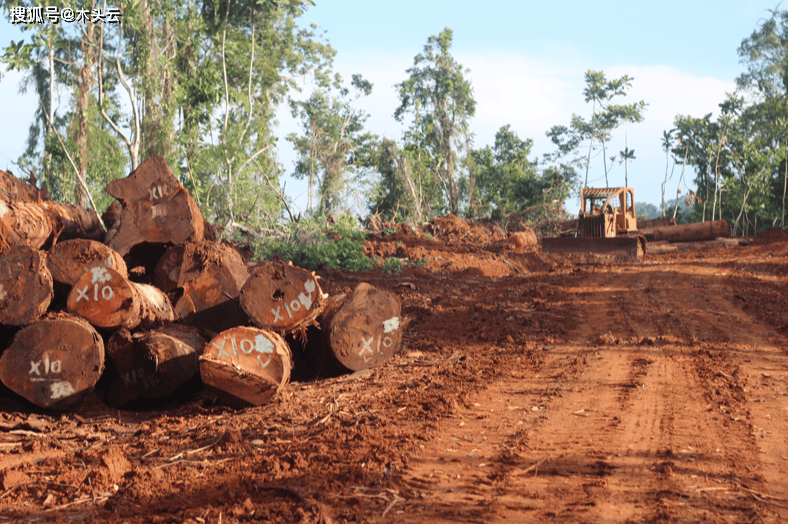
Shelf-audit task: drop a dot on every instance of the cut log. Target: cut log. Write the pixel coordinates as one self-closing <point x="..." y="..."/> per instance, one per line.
<point x="13" y="189"/>
<point x="153" y="364"/>
<point x="156" y="208"/>
<point x="708" y="230"/>
<point x="25" y="286"/>
<point x="362" y="329"/>
<point x="107" y="299"/>
<point x="246" y="366"/>
<point x="34" y="224"/>
<point x="53" y="361"/>
<point x="210" y="276"/>
<point x="68" y="260"/>
<point x="282" y="297"/>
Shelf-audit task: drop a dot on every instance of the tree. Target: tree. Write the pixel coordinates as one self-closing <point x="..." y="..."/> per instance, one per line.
<point x="765" y="54"/>
<point x="333" y="149"/>
<point x="441" y="102"/>
<point x="605" y="118"/>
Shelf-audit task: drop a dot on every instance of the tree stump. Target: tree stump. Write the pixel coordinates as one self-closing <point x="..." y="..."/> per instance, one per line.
<point x="362" y="329"/>
<point x="68" y="260"/>
<point x="246" y="366"/>
<point x="210" y="276"/>
<point x="53" y="361"/>
<point x="282" y="297"/>
<point x="156" y="208"/>
<point x="107" y="299"/>
<point x="25" y="286"/>
<point x="153" y="364"/>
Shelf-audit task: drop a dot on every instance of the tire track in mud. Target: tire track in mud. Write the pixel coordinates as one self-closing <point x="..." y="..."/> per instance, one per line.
<point x="643" y="414"/>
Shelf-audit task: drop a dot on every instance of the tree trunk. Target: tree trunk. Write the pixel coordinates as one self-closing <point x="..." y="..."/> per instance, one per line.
<point x="68" y="260"/>
<point x="25" y="286"/>
<point x="282" y="297"/>
<point x="155" y="208"/>
<point x="54" y="361"/>
<point x="154" y="363"/>
<point x="246" y="366"/>
<point x="109" y="300"/>
<point x="211" y="276"/>
<point x="362" y="329"/>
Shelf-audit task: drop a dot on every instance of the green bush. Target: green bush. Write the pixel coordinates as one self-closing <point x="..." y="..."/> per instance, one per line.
<point x="310" y="242"/>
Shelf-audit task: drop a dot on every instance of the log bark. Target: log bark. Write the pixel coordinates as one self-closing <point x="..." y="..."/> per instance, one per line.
<point x="34" y="224"/>
<point x="53" y="361"/>
<point x="362" y="329"/>
<point x="708" y="230"/>
<point x="25" y="286"/>
<point x="210" y="276"/>
<point x="68" y="260"/>
<point x="246" y="366"/>
<point x="282" y="297"/>
<point x="156" y="208"/>
<point x="13" y="189"/>
<point x="109" y="300"/>
<point x="153" y="364"/>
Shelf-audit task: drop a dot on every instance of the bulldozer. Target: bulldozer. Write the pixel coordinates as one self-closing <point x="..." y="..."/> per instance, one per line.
<point x="606" y="229"/>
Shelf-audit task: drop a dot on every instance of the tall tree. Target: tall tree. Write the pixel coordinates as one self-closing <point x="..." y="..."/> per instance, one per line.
<point x="605" y="118"/>
<point x="441" y="103"/>
<point x="333" y="147"/>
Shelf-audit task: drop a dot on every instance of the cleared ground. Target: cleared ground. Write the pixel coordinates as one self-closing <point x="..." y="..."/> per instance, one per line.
<point x="526" y="390"/>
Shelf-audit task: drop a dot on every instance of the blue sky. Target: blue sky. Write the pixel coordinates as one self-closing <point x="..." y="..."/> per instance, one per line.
<point x="526" y="59"/>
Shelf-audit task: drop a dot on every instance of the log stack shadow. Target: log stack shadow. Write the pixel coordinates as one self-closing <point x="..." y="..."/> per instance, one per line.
<point x="139" y="312"/>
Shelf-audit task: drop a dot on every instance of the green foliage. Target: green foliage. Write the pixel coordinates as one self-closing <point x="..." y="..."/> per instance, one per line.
<point x="440" y="101"/>
<point x="605" y="118"/>
<point x="309" y="243"/>
<point x="765" y="54"/>
<point x="334" y="151"/>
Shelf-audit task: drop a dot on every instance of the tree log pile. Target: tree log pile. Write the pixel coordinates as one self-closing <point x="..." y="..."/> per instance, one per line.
<point x="69" y="301"/>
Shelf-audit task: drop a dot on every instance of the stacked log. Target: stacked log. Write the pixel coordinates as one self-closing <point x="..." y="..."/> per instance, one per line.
<point x="156" y="336"/>
<point x="362" y="329"/>
<point x="154" y="363"/>
<point x="246" y="366"/>
<point x="109" y="300"/>
<point x="54" y="361"/>
<point x="282" y="297"/>
<point x="209" y="277"/>
<point x="156" y="208"/>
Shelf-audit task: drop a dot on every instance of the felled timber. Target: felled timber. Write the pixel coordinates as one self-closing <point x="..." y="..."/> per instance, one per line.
<point x="34" y="224"/>
<point x="68" y="260"/>
<point x="246" y="366"/>
<point x="107" y="299"/>
<point x="13" y="189"/>
<point x="282" y="297"/>
<point x="25" y="286"/>
<point x="708" y="230"/>
<point x="53" y="361"/>
<point x="154" y="363"/>
<point x="210" y="276"/>
<point x="362" y="329"/>
<point x="156" y="208"/>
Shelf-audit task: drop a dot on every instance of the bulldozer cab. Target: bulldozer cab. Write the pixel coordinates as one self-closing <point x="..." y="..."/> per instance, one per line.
<point x="607" y="212"/>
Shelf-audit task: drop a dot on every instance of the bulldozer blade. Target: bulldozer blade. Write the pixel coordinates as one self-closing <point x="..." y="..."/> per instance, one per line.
<point x="596" y="250"/>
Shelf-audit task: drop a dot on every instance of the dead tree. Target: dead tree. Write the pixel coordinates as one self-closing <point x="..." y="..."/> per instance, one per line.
<point x="362" y="329"/>
<point x="209" y="277"/>
<point x="156" y="208"/>
<point x="154" y="363"/>
<point x="53" y="361"/>
<point x="246" y="366"/>
<point x="107" y="299"/>
<point x="68" y="260"/>
<point x="282" y="297"/>
<point x="25" y="286"/>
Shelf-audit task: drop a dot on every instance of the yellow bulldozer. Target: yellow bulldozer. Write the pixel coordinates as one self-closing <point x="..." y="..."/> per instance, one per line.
<point x="606" y="228"/>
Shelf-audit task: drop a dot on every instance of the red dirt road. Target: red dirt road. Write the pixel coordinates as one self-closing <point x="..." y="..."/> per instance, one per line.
<point x="526" y="391"/>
